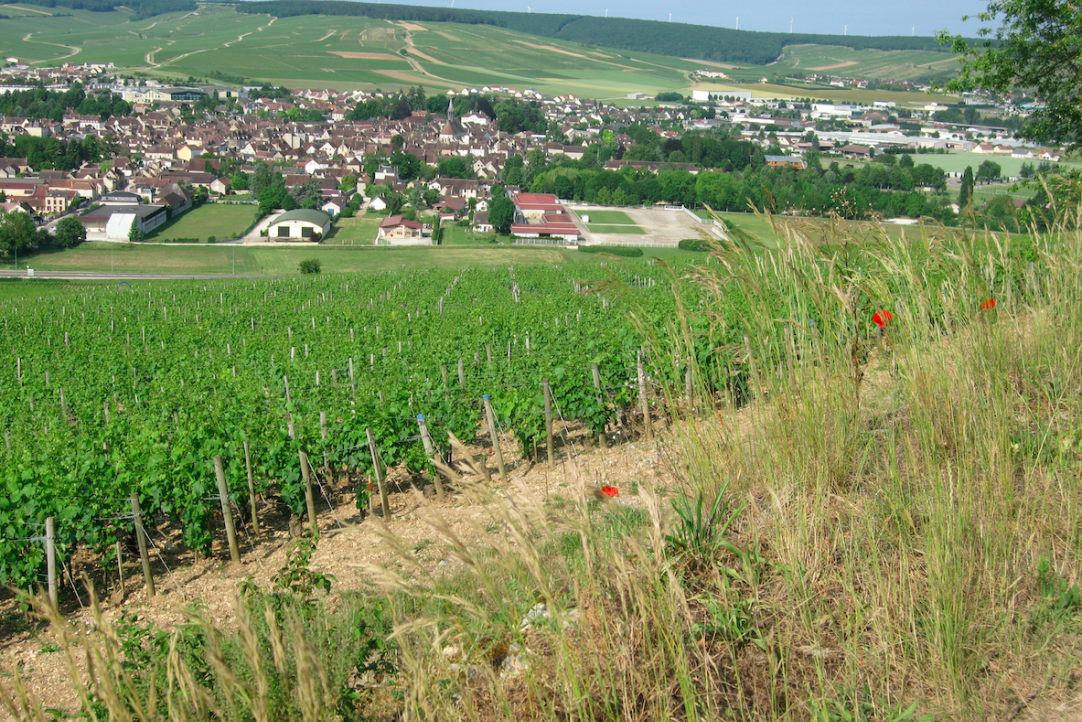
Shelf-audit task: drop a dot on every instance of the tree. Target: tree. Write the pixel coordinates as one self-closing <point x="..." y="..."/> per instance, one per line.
<point x="69" y="233"/>
<point x="502" y="214"/>
<point x="965" y="195"/>
<point x="135" y="234"/>
<point x="311" y="266"/>
<point x="17" y="232"/>
<point x="989" y="171"/>
<point x="1034" y="49"/>
<point x="349" y="183"/>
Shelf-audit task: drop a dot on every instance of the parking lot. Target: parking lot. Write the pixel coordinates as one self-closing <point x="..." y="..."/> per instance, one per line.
<point x="652" y="226"/>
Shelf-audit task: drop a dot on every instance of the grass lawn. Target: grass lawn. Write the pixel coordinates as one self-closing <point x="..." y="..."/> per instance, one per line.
<point x="212" y="219"/>
<point x="631" y="230"/>
<point x="124" y="258"/>
<point x="604" y="217"/>
<point x="454" y="235"/>
<point x="353" y="232"/>
<point x="200" y="259"/>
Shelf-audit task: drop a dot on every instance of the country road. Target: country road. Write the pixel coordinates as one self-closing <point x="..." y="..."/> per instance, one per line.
<point x="89" y="276"/>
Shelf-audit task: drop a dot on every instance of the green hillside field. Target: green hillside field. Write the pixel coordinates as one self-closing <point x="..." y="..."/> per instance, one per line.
<point x="348" y="52"/>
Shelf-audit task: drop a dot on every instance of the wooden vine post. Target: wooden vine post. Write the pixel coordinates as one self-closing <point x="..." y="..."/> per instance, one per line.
<point x="643" y="402"/>
<point x="251" y="491"/>
<point x="50" y="558"/>
<point x="377" y="470"/>
<point x="490" y="416"/>
<point x="141" y="538"/>
<point x="596" y="373"/>
<point x="309" y="497"/>
<point x="227" y="511"/>
<point x="548" y="421"/>
<point x="430" y="452"/>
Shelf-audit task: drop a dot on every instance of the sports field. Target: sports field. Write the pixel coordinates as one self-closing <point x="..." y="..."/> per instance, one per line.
<point x="638" y="226"/>
<point x="609" y="217"/>
<point x="220" y="220"/>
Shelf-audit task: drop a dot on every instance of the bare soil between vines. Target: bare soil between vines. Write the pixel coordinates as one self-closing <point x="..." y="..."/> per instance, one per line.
<point x="347" y="543"/>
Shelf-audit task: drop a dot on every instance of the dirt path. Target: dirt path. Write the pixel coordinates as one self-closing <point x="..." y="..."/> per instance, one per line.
<point x="153" y="65"/>
<point x="29" y="10"/>
<point x="75" y="50"/>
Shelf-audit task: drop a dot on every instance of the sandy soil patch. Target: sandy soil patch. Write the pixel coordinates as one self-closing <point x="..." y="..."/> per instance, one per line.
<point x="846" y="64"/>
<point x="403" y="75"/>
<point x="425" y="56"/>
<point x="412" y="26"/>
<point x="552" y="48"/>
<point x="362" y="56"/>
<point x="727" y="66"/>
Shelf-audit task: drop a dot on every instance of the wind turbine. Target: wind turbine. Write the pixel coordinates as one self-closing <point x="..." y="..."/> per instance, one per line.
<point x="846" y="31"/>
<point x="791" y="26"/>
<point x="670" y="17"/>
<point x="606" y="12"/>
<point x="737" y="22"/>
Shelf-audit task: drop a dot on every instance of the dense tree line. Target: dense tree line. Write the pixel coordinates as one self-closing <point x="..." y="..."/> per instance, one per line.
<point x="294" y="8"/>
<point x="677" y="39"/>
<point x="142" y="8"/>
<point x="511" y="116"/>
<point x="41" y="102"/>
<point x="735" y="176"/>
<point x="53" y="153"/>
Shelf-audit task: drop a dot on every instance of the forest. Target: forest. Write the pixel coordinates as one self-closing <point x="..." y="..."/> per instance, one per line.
<point x="43" y="103"/>
<point x="684" y="40"/>
<point x="55" y="154"/>
<point x="142" y="8"/>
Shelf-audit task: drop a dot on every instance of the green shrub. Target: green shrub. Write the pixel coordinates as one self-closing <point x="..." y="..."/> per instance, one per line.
<point x="212" y="239"/>
<point x="312" y="265"/>
<point x="694" y="244"/>
<point x="626" y="251"/>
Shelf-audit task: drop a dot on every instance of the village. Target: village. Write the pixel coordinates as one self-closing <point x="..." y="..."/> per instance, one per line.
<point x="162" y="158"/>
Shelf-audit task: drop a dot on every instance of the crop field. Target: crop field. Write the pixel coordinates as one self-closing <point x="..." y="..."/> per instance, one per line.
<point x="894" y="64"/>
<point x="220" y="220"/>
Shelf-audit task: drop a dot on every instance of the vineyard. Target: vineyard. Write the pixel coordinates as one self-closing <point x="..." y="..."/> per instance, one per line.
<point x="135" y="390"/>
<point x="114" y="391"/>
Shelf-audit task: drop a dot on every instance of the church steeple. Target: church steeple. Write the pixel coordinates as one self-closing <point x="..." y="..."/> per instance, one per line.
<point x="450" y="110"/>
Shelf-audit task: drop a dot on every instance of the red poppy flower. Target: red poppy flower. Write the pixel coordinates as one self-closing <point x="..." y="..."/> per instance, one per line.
<point x="881" y="318"/>
<point x="610" y="491"/>
<point x="989" y="304"/>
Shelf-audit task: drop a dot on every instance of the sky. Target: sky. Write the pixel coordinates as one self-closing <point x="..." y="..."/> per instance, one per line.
<point x="864" y="17"/>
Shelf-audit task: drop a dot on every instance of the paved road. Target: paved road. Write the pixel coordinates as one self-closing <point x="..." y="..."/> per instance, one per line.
<point x="83" y="275"/>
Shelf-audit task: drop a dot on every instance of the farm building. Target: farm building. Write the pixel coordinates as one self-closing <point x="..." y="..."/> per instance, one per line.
<point x="114" y="222"/>
<point x="301" y="224"/>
